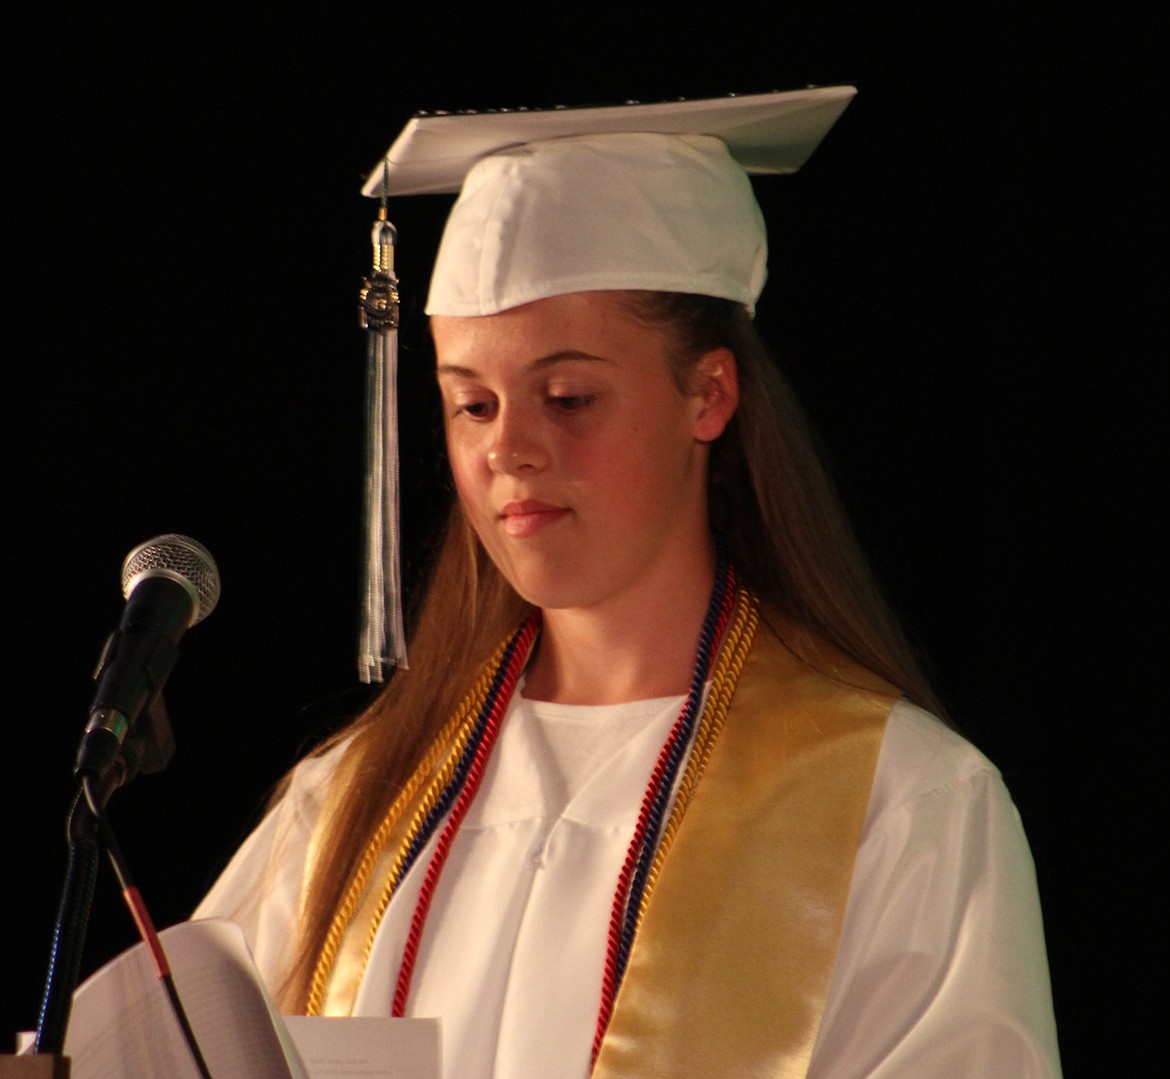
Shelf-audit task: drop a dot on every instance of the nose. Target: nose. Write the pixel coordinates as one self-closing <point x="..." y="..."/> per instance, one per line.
<point x="516" y="446"/>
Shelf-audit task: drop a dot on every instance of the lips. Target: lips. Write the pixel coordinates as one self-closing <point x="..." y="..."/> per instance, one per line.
<point x="529" y="516"/>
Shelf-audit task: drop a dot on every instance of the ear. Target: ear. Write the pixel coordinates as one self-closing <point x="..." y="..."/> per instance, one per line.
<point x="716" y="393"/>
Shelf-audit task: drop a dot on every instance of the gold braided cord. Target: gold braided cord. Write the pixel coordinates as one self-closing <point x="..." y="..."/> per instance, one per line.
<point x="451" y="742"/>
<point x="733" y="654"/>
<point x="428" y="802"/>
<point x="449" y="747"/>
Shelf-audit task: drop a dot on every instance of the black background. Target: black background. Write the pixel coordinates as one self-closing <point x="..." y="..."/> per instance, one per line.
<point x="963" y="284"/>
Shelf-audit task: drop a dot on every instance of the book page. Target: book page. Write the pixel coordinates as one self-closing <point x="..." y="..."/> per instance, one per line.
<point x="122" y="1024"/>
<point x="370" y="1047"/>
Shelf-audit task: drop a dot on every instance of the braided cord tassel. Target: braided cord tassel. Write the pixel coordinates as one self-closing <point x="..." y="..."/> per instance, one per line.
<point x="676" y="751"/>
<point x="732" y="656"/>
<point x="465" y="784"/>
<point x="452" y="743"/>
<point x="629" y="896"/>
<point x="735" y="651"/>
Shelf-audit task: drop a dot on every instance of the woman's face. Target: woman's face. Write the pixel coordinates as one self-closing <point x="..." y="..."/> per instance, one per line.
<point x="577" y="458"/>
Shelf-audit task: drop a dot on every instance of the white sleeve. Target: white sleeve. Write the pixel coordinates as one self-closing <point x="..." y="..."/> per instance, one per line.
<point x="260" y="890"/>
<point x="942" y="969"/>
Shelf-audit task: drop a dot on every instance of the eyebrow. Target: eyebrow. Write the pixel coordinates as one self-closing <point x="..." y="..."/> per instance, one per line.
<point x="563" y="356"/>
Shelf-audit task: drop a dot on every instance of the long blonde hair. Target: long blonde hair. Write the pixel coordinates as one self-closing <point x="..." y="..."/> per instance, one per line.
<point x="771" y="499"/>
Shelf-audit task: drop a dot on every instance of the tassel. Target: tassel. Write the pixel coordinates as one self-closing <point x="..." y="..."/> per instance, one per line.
<point x="382" y="641"/>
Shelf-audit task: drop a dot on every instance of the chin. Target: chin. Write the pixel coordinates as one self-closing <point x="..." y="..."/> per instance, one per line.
<point x="548" y="595"/>
<point x="553" y="587"/>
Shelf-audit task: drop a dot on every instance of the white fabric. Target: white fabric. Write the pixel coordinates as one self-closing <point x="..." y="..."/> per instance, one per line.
<point x="941" y="969"/>
<point x="633" y="210"/>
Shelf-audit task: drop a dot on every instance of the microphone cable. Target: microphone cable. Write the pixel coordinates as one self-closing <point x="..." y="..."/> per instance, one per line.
<point x="142" y="919"/>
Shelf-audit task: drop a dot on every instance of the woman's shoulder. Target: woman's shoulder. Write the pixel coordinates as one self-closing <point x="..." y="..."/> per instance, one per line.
<point x="282" y="835"/>
<point x="310" y="778"/>
<point x="943" y="940"/>
<point x="922" y="756"/>
<point x="925" y="738"/>
<point x="919" y="753"/>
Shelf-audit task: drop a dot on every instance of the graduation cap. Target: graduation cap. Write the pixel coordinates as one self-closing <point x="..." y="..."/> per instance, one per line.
<point x="766" y="133"/>
<point x="550" y="201"/>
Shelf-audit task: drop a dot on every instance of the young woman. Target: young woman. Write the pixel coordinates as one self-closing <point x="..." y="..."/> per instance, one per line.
<point x="660" y="794"/>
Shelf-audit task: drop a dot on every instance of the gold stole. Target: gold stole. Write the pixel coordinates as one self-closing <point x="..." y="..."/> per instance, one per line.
<point x="729" y="972"/>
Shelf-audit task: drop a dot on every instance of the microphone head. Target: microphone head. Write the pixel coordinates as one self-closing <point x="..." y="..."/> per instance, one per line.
<point x="182" y="559"/>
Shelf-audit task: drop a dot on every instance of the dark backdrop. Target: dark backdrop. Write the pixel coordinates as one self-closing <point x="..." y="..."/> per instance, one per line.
<point x="962" y="286"/>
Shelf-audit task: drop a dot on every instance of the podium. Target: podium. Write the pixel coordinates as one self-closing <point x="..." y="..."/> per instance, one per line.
<point x="36" y="1066"/>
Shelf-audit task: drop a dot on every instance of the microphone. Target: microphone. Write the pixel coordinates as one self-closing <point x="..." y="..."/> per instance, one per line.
<point x="170" y="583"/>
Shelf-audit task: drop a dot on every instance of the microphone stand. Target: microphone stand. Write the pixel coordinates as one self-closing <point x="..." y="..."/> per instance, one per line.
<point x="148" y="747"/>
<point x="70" y="928"/>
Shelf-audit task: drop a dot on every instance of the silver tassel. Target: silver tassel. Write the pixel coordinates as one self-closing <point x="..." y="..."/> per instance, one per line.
<point x="382" y="642"/>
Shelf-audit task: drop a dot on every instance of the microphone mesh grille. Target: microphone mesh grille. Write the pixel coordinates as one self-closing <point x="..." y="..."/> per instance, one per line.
<point x="180" y="557"/>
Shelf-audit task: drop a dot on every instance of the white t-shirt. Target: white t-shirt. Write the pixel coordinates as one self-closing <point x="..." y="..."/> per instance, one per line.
<point x="941" y="969"/>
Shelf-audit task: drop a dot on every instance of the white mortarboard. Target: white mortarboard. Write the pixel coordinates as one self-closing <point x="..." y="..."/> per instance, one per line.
<point x="766" y="133"/>
<point x="641" y="196"/>
<point x="632" y="196"/>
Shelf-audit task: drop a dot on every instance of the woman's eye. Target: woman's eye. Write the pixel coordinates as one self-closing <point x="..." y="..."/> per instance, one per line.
<point x="476" y="410"/>
<point x="570" y="402"/>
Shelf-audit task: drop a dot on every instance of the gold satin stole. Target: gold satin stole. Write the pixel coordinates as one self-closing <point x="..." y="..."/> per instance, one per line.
<point x="729" y="973"/>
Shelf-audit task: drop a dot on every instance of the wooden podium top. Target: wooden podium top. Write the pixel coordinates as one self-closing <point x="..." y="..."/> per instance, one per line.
<point x="34" y="1066"/>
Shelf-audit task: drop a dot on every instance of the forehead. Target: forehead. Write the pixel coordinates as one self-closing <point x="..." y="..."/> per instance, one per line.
<point x="582" y="325"/>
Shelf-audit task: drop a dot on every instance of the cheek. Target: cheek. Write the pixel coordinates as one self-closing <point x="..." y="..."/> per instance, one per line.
<point x="461" y="461"/>
<point x="627" y="475"/>
<point x="656" y="477"/>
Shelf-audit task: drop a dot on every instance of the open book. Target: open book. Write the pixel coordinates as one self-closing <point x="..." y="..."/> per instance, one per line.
<point x="122" y="1027"/>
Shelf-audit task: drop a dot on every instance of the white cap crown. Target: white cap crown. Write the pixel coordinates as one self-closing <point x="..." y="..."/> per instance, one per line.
<point x="631" y="210"/>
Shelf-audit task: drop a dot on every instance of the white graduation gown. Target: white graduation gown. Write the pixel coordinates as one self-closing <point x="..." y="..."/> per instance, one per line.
<point x="941" y="968"/>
